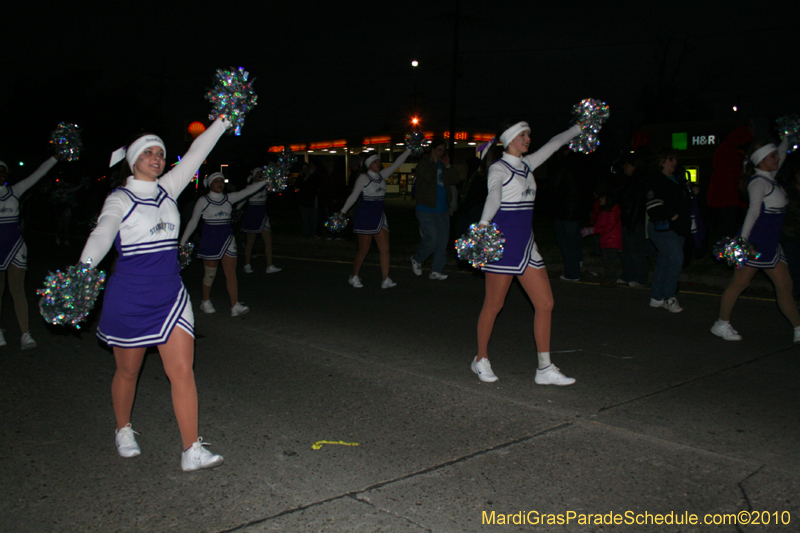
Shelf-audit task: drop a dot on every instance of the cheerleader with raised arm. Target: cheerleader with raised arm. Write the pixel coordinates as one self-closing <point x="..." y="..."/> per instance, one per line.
<point x="370" y="221"/>
<point x="217" y="244"/>
<point x="762" y="227"/>
<point x="509" y="205"/>
<point x="13" y="250"/>
<point x="255" y="221"/>
<point x="145" y="302"/>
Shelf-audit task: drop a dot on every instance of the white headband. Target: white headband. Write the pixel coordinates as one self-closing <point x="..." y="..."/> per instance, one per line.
<point x="252" y="175"/>
<point x="762" y="152"/>
<point x="132" y="152"/>
<point x="511" y="133"/>
<point x="370" y="159"/>
<point x="210" y="178"/>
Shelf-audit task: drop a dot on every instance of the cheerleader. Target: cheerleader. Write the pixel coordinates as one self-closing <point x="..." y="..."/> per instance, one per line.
<point x="217" y="244"/>
<point x="145" y="302"/>
<point x="762" y="227"/>
<point x="509" y="205"/>
<point x="13" y="250"/>
<point x="370" y="220"/>
<point x="255" y="221"/>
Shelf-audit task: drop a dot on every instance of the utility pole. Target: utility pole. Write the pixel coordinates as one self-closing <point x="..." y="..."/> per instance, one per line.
<point x="453" y="84"/>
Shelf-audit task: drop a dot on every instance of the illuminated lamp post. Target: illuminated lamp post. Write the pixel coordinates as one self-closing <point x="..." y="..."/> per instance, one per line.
<point x="196" y="128"/>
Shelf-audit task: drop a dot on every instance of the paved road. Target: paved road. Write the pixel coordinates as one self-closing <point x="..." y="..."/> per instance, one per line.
<point x="664" y="417"/>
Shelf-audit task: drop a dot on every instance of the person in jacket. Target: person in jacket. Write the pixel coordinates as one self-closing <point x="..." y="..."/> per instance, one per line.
<point x="669" y="214"/>
<point x="435" y="181"/>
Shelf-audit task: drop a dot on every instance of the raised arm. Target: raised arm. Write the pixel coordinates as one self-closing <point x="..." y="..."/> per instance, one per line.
<point x="541" y="155"/>
<point x="201" y="204"/>
<point x="20" y="187"/>
<point x="251" y="189"/>
<point x="361" y="182"/>
<point x="99" y="242"/>
<point x="179" y="177"/>
<point x="388" y="171"/>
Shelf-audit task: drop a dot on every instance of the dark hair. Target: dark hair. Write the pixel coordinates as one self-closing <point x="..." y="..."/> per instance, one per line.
<point x="436" y="142"/>
<point x="661" y="157"/>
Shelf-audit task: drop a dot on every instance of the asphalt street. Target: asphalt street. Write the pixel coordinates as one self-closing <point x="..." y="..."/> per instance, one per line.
<point x="665" y="419"/>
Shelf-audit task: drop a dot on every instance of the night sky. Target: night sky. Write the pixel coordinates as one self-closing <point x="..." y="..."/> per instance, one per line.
<point x="343" y="71"/>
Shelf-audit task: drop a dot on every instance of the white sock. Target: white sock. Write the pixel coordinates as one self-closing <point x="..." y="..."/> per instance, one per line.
<point x="544" y="359"/>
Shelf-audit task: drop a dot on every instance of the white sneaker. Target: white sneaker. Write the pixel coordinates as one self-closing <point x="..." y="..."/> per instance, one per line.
<point x="197" y="457"/>
<point x="2" y="338"/>
<point x="671" y="305"/>
<point x="27" y="341"/>
<point x="634" y="284"/>
<point x="355" y="281"/>
<point x="621" y="281"/>
<point x="726" y="331"/>
<point x="126" y="442"/>
<point x="562" y="277"/>
<point x="437" y="275"/>
<point x="248" y="269"/>
<point x="656" y="303"/>
<point x="207" y="307"/>
<point x="552" y="376"/>
<point x="239" y="309"/>
<point x="416" y="267"/>
<point x="272" y="269"/>
<point x="388" y="284"/>
<point x="483" y="369"/>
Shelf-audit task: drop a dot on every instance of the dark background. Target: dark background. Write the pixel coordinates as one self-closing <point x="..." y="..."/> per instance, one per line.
<point x="342" y="71"/>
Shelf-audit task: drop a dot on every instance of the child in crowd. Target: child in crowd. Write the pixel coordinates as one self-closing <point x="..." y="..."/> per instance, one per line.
<point x="609" y="228"/>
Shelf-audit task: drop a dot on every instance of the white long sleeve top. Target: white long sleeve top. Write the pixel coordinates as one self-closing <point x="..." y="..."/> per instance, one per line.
<point x="766" y="192"/>
<point x="10" y="195"/>
<point x="154" y="226"/>
<point x="519" y="185"/>
<point x="216" y="208"/>
<point x="373" y="184"/>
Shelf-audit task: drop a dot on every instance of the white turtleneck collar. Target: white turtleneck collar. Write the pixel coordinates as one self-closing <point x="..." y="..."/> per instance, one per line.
<point x="141" y="187"/>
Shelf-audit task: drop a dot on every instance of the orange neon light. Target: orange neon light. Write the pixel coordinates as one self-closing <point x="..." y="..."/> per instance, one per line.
<point x="482" y="136"/>
<point x="297" y="147"/>
<point x="317" y="146"/>
<point x="380" y="139"/>
<point x="276" y="148"/>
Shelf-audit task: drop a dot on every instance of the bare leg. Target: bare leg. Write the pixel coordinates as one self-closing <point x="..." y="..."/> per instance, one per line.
<point x="496" y="290"/>
<point x="382" y="240"/>
<point x="229" y="268"/>
<point x="177" y="356"/>
<point x="783" y="292"/>
<point x="363" y="249"/>
<point x="267" y="236"/>
<point x="537" y="286"/>
<point x="739" y="282"/>
<point x="207" y="288"/>
<point x="16" y="285"/>
<point x="2" y="287"/>
<point x="123" y="386"/>
<point x="248" y="248"/>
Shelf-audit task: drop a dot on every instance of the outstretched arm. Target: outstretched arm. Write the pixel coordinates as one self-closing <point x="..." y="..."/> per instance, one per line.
<point x="101" y="239"/>
<point x="361" y="182"/>
<point x="179" y="177"/>
<point x="541" y="155"/>
<point x="388" y="171"/>
<point x="22" y="186"/>
<point x="247" y="191"/>
<point x="201" y="204"/>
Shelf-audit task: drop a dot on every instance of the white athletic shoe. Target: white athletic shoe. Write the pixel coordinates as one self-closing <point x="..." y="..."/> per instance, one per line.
<point x="27" y="341"/>
<point x="725" y="330"/>
<point x="483" y="369"/>
<point x="2" y="338"/>
<point x="388" y="284"/>
<point x="416" y="267"/>
<point x="272" y="269"/>
<point x="437" y="275"/>
<point x="126" y="442"/>
<point x="248" y="269"/>
<point x="239" y="309"/>
<point x="671" y="305"/>
<point x="207" y="307"/>
<point x="355" y="281"/>
<point x="197" y="457"/>
<point x="552" y="376"/>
